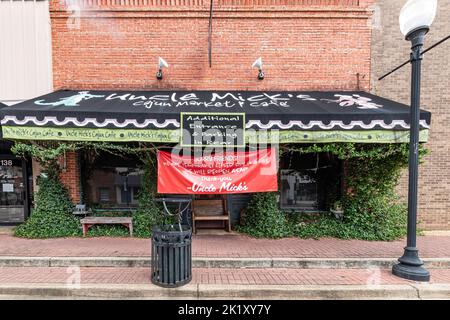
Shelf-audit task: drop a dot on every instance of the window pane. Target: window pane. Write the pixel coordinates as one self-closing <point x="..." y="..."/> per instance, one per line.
<point x="104" y="194"/>
<point x="298" y="190"/>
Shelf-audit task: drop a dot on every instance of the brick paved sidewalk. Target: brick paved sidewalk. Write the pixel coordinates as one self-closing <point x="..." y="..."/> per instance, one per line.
<point x="10" y="275"/>
<point x="229" y="246"/>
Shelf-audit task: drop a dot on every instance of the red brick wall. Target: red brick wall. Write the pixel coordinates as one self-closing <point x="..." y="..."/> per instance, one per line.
<point x="70" y="175"/>
<point x="314" y="44"/>
<point x="389" y="50"/>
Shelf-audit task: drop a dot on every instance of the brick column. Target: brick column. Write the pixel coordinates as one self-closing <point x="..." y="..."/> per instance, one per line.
<point x="70" y="175"/>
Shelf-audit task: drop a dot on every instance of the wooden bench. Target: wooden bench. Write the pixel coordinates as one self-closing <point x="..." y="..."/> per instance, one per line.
<point x="210" y="210"/>
<point x="90" y="221"/>
<point x="112" y="211"/>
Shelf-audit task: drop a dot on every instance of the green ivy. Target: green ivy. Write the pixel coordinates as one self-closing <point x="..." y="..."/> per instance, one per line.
<point x="372" y="211"/>
<point x="263" y="219"/>
<point x="48" y="214"/>
<point x="108" y="231"/>
<point x="148" y="213"/>
<point x="52" y="216"/>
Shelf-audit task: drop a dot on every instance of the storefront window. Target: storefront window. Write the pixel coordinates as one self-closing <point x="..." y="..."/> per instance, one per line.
<point x="298" y="190"/>
<point x="103" y="194"/>
<point x="113" y="182"/>
<point x="309" y="182"/>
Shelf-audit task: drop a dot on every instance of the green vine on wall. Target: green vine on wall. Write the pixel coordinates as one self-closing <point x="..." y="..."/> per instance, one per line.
<point x="372" y="210"/>
<point x="148" y="213"/>
<point x="46" y="152"/>
<point x="52" y="215"/>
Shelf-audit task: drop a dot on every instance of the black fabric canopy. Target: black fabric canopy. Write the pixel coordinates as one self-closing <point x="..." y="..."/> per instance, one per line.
<point x="160" y="110"/>
<point x="2" y="105"/>
<point x="163" y="116"/>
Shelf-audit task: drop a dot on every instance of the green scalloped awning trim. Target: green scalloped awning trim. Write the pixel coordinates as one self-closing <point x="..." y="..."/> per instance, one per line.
<point x="357" y="136"/>
<point x="173" y="136"/>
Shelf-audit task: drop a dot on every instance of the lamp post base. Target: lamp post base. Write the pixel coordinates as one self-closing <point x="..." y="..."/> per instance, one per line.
<point x="410" y="266"/>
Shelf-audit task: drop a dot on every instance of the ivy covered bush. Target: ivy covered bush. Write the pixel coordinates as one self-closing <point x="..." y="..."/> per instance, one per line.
<point x="52" y="216"/>
<point x="263" y="219"/>
<point x="148" y="214"/>
<point x="372" y="210"/>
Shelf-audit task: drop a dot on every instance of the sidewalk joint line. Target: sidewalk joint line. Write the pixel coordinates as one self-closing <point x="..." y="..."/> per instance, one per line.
<point x="417" y="290"/>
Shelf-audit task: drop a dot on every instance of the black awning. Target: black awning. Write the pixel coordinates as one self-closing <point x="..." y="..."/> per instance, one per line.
<point x="2" y="105"/>
<point x="160" y="110"/>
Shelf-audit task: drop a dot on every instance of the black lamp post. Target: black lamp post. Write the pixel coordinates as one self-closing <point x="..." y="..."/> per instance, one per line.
<point x="415" y="20"/>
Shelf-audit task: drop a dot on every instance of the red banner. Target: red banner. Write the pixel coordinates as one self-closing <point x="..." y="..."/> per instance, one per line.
<point x="237" y="172"/>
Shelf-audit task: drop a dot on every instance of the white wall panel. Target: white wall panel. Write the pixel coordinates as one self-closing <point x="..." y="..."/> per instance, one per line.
<point x="25" y="50"/>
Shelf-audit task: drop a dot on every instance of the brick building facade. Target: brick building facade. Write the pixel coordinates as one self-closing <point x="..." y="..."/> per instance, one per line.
<point x="304" y="45"/>
<point x="389" y="49"/>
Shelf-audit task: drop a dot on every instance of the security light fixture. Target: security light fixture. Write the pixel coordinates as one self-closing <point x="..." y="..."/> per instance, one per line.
<point x="161" y="64"/>
<point x="258" y="64"/>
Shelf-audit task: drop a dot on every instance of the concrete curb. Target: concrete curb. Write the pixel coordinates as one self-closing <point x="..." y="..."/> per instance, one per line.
<point x="302" y="292"/>
<point x="128" y="291"/>
<point x="201" y="291"/>
<point x="433" y="291"/>
<point x="198" y="262"/>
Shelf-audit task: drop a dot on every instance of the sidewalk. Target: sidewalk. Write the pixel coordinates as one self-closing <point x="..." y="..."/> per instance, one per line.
<point x="225" y="276"/>
<point x="229" y="246"/>
<point x="224" y="267"/>
<point x="261" y="284"/>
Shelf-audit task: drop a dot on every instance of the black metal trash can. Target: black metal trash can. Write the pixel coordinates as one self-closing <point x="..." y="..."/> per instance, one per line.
<point x="171" y="256"/>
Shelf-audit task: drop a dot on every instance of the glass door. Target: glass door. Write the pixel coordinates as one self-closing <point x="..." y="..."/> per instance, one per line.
<point x="12" y="190"/>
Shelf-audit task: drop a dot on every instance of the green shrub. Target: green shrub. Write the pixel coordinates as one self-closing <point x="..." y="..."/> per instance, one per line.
<point x="146" y="216"/>
<point x="371" y="208"/>
<point x="108" y="231"/>
<point x="52" y="216"/>
<point x="376" y="218"/>
<point x="263" y="219"/>
<point x="148" y="213"/>
<point x="358" y="223"/>
<point x="303" y="226"/>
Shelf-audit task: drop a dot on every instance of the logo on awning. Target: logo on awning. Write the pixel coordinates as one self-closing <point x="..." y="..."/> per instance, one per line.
<point x="72" y="101"/>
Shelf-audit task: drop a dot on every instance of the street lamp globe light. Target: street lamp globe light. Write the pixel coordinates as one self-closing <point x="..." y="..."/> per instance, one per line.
<point x="415" y="19"/>
<point x="417" y="14"/>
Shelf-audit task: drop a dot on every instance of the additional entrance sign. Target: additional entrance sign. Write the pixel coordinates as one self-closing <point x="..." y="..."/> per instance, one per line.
<point x="212" y="129"/>
<point x="227" y="173"/>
